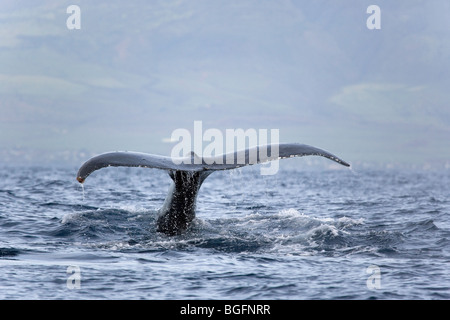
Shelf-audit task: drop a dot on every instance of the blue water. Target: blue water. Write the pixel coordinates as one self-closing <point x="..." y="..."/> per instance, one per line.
<point x="317" y="234"/>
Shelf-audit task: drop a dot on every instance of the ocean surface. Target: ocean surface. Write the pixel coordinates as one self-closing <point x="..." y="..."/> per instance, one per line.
<point x="300" y="234"/>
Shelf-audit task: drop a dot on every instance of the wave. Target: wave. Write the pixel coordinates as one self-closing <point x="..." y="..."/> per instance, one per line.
<point x="131" y="228"/>
<point x="134" y="228"/>
<point x="9" y="252"/>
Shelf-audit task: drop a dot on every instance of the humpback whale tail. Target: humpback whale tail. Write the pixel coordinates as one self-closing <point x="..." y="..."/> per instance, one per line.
<point x="188" y="174"/>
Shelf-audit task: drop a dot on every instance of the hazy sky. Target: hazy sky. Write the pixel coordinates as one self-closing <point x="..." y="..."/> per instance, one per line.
<point x="137" y="70"/>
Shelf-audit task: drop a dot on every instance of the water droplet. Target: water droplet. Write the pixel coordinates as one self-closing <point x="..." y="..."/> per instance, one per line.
<point x="82" y="188"/>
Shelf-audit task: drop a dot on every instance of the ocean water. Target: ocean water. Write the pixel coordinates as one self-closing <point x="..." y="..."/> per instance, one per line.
<point x="315" y="234"/>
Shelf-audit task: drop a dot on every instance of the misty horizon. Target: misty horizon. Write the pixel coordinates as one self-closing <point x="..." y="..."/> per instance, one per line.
<point x="134" y="73"/>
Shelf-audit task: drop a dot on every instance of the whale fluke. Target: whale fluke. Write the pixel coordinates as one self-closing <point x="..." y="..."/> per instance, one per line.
<point x="189" y="172"/>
